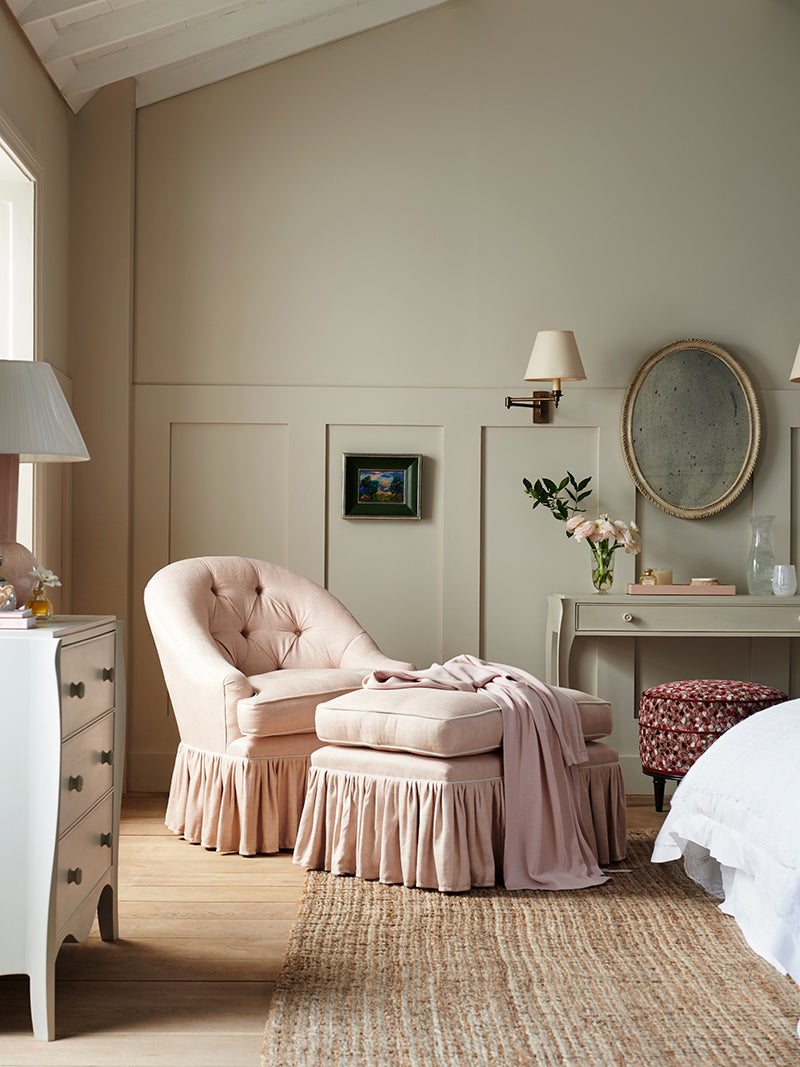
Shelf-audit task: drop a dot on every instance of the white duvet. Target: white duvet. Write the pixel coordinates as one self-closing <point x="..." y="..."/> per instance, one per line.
<point x="735" y="819"/>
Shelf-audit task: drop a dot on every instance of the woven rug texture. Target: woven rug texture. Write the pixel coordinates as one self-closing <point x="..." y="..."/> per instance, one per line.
<point x="643" y="970"/>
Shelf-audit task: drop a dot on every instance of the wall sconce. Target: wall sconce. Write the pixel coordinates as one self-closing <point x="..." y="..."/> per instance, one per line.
<point x="36" y="425"/>
<point x="795" y="375"/>
<point x="555" y="358"/>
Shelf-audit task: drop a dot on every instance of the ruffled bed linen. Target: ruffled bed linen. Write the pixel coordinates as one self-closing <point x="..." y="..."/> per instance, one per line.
<point x="542" y="739"/>
<point x="400" y="831"/>
<point x="735" y="820"/>
<point x="235" y="803"/>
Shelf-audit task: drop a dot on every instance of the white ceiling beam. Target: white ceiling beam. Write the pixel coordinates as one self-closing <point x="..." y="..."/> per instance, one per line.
<point x="126" y="23"/>
<point x="191" y="41"/>
<point x="50" y="9"/>
<point x="301" y="37"/>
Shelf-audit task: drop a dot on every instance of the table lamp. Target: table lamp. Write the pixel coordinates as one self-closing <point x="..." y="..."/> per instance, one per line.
<point x="36" y="425"/>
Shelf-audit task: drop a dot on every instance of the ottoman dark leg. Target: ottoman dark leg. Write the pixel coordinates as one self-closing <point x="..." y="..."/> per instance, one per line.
<point x="658" y="790"/>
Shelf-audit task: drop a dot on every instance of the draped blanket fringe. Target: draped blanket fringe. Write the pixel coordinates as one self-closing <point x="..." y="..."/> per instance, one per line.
<point x="235" y="803"/>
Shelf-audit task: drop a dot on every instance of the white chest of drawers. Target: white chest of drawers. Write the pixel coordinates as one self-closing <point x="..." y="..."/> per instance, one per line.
<point x="62" y="735"/>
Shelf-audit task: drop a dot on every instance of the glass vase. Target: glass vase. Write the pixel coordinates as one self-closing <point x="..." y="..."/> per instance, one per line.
<point x="602" y="569"/>
<point x="40" y="604"/>
<point x="760" y="560"/>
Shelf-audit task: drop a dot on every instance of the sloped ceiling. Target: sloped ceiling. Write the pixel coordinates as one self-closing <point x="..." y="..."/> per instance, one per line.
<point x="172" y="46"/>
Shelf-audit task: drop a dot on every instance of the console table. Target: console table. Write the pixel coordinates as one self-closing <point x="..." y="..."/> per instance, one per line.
<point x="626" y="615"/>
<point x="62" y="739"/>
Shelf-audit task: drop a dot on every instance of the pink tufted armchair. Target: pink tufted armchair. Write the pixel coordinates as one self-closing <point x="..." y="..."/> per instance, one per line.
<point x="248" y="650"/>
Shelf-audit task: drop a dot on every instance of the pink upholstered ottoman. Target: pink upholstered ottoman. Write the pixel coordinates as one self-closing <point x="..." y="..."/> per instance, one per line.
<point x="679" y="720"/>
<point x="409" y="788"/>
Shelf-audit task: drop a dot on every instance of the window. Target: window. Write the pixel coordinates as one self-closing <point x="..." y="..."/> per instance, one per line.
<point x="16" y="294"/>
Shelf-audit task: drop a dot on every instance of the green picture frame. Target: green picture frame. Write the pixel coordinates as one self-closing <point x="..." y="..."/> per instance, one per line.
<point x="381" y="486"/>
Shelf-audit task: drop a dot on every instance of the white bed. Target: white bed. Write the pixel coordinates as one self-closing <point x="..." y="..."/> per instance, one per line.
<point x="735" y="820"/>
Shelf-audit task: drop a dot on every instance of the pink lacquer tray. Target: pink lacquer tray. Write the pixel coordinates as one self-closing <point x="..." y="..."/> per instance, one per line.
<point x="681" y="590"/>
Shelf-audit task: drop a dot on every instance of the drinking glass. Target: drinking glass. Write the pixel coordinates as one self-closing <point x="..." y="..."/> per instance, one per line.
<point x="784" y="580"/>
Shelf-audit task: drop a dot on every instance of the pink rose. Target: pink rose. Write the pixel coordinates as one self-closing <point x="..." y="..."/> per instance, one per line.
<point x="604" y="530"/>
<point x="584" y="530"/>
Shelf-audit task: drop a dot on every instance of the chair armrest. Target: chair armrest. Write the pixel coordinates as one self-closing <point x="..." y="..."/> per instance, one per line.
<point x="204" y="688"/>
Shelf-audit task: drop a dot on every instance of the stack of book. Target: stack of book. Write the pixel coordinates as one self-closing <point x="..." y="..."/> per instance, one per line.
<point x="17" y="619"/>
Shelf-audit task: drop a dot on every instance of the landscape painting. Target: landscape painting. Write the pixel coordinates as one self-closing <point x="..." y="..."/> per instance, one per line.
<point x="380" y="486"/>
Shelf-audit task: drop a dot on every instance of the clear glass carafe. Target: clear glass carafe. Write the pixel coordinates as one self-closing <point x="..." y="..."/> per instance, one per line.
<point x="760" y="560"/>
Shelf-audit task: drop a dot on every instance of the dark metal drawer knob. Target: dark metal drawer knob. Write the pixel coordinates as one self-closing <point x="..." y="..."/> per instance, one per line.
<point x="107" y="757"/>
<point x="77" y="689"/>
<point x="105" y="839"/>
<point x="108" y="674"/>
<point x="75" y="783"/>
<point x="74" y="874"/>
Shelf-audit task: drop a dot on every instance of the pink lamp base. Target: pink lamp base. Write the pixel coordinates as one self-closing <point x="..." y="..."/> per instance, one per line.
<point x="15" y="568"/>
<point x="17" y="560"/>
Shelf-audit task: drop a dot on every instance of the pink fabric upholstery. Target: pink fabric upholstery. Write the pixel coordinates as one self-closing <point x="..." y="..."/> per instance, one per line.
<point x="434" y="722"/>
<point x="434" y="823"/>
<point x="248" y="649"/>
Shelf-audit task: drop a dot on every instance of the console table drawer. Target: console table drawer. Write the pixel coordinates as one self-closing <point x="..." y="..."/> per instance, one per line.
<point x="87" y="682"/>
<point x="683" y="619"/>
<point x="86" y="770"/>
<point x="84" y="855"/>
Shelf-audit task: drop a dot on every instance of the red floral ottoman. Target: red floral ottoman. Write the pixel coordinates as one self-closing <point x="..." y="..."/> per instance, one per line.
<point x="679" y="720"/>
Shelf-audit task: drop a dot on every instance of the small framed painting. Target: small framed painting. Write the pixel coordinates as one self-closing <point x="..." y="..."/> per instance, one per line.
<point x="381" y="486"/>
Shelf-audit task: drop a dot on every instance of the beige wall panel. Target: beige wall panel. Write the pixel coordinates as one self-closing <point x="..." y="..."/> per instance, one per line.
<point x="336" y="219"/>
<point x="388" y="572"/>
<point x="526" y="553"/>
<point x="229" y="491"/>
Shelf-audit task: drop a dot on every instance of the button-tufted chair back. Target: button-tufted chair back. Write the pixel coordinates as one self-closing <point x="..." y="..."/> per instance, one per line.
<point x="257" y="617"/>
<point x="249" y="650"/>
<point x="261" y="616"/>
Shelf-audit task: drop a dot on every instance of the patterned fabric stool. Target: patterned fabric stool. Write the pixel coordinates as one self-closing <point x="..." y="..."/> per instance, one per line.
<point x="679" y="720"/>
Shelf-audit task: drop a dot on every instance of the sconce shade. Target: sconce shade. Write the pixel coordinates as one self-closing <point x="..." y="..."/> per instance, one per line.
<point x="555" y="357"/>
<point x="35" y="419"/>
<point x="795" y="375"/>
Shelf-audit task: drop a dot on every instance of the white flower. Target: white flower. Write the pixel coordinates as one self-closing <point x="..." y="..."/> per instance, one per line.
<point x="44" y="576"/>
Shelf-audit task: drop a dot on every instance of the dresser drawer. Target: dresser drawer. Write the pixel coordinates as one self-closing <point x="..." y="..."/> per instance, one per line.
<point x="84" y="856"/>
<point x="87" y="681"/>
<point x="86" y="770"/>
<point x="683" y="619"/>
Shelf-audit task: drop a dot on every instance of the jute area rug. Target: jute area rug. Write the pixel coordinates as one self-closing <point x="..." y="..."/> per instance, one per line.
<point x="643" y="970"/>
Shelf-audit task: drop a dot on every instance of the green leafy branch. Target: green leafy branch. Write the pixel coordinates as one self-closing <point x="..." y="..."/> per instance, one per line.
<point x="563" y="498"/>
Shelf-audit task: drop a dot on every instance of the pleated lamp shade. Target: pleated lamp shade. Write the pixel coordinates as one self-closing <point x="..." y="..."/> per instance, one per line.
<point x="36" y="425"/>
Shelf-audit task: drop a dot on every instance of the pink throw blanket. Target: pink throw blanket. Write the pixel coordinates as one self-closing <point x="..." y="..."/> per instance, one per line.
<point x="545" y="846"/>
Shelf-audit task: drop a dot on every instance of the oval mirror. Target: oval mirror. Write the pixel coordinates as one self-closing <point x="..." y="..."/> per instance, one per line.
<point x="690" y="429"/>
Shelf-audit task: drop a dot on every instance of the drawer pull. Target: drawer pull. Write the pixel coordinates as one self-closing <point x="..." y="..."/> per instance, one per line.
<point x="627" y="617"/>
<point x="75" y="783"/>
<point x="74" y="874"/>
<point x="108" y="674"/>
<point x="77" y="689"/>
<point x="106" y="839"/>
<point x="107" y="757"/>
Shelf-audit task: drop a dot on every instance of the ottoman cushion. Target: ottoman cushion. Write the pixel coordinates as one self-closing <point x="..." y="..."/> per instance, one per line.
<point x="433" y="722"/>
<point x="679" y="720"/>
<point x="285" y="701"/>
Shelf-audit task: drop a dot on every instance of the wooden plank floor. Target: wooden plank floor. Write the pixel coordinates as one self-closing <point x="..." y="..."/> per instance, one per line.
<point x="189" y="982"/>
